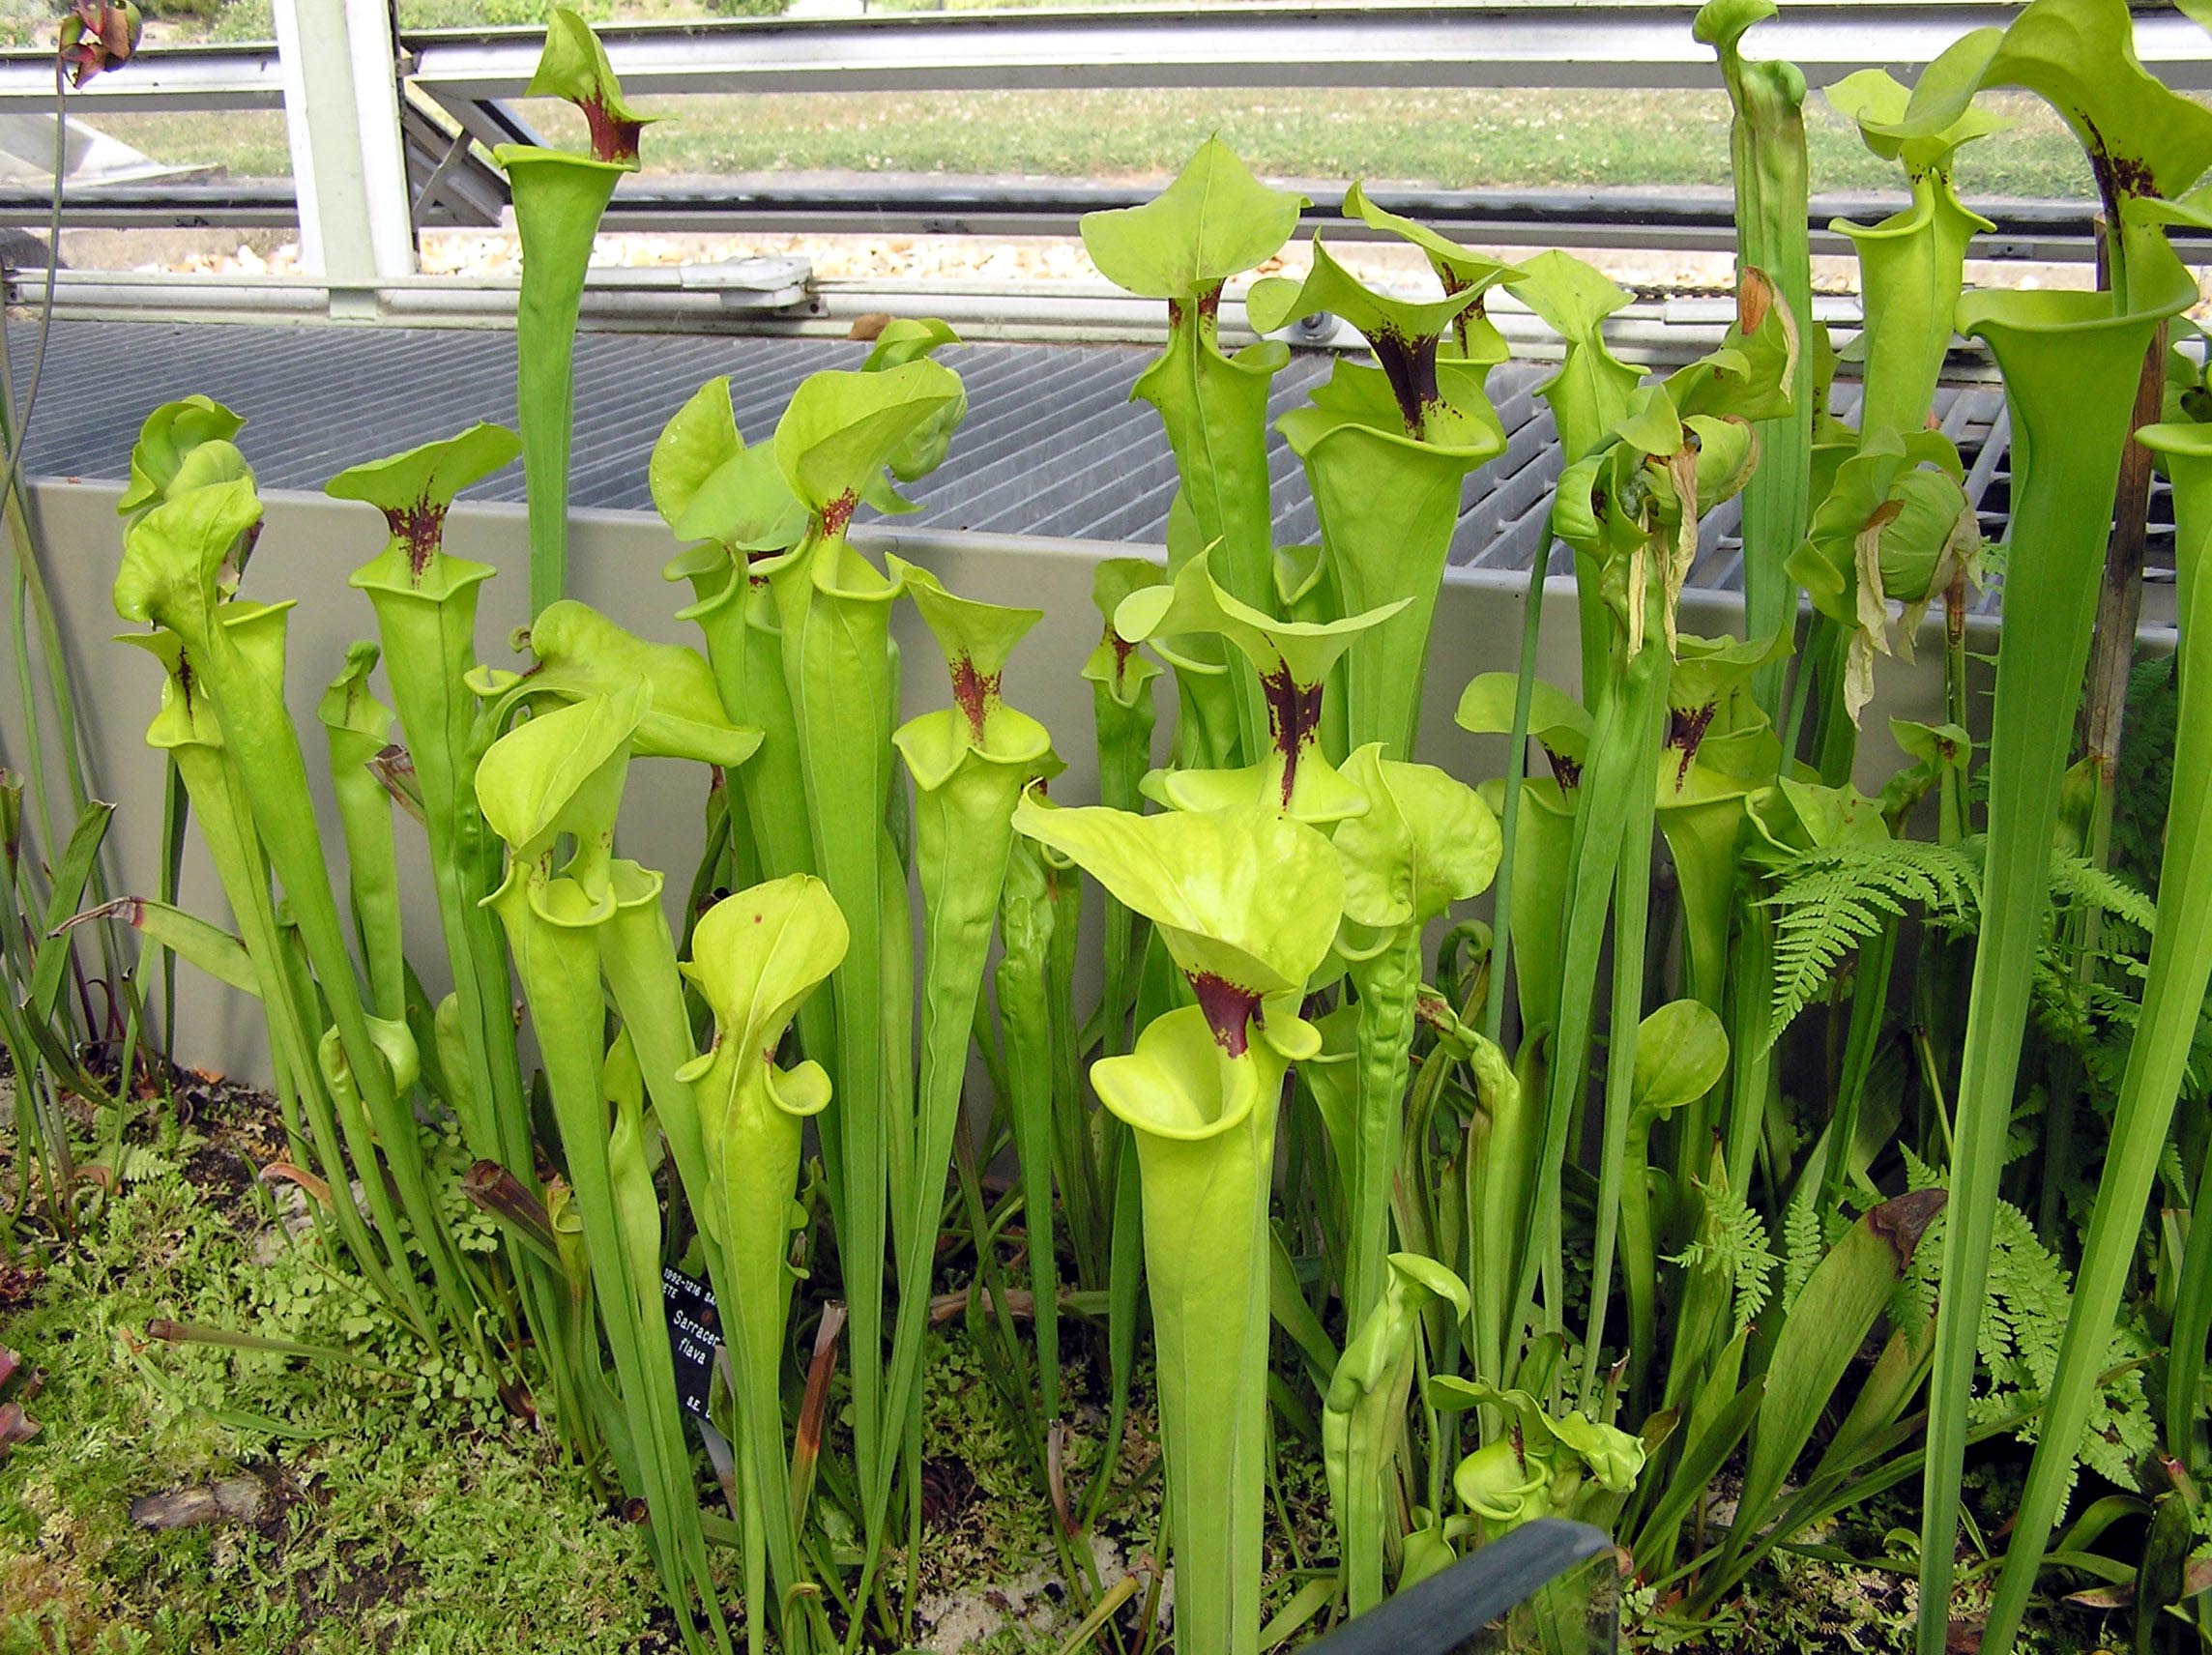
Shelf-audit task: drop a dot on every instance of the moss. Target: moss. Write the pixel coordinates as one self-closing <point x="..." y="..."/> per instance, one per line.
<point x="395" y="1513"/>
<point x="401" y="1510"/>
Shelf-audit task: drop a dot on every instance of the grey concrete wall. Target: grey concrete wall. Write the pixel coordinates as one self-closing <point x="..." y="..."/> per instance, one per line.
<point x="310" y="544"/>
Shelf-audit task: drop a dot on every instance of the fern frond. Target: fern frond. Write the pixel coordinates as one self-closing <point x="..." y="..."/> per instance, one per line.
<point x="1831" y="899"/>
<point x="2085" y="885"/>
<point x="1802" y="1243"/>
<point x="1733" y="1239"/>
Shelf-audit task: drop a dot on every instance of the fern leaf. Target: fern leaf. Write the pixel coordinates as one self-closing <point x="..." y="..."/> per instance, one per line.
<point x="2082" y="881"/>
<point x="1831" y="899"/>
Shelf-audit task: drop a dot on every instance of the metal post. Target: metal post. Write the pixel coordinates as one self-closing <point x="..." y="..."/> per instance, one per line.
<point x="341" y="112"/>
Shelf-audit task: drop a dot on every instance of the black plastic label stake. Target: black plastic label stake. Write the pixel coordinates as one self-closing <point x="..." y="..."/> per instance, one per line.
<point x="694" y="1329"/>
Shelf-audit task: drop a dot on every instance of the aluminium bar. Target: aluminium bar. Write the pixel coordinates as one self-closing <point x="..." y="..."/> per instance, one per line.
<point x="161" y="79"/>
<point x="184" y="204"/>
<point x="1546" y="44"/>
<point x="349" y="166"/>
<point x="926" y="204"/>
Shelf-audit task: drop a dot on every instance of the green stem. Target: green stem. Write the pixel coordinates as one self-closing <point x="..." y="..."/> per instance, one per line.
<point x="1631" y="909"/>
<point x="1026" y="918"/>
<point x="834" y="609"/>
<point x="558" y="964"/>
<point x="1622" y="755"/>
<point x="1206" y="1254"/>
<point x="1766" y="149"/>
<point x="1510" y="812"/>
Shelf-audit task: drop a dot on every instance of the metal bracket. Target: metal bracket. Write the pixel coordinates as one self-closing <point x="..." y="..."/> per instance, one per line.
<point x="451" y="185"/>
<point x="761" y="283"/>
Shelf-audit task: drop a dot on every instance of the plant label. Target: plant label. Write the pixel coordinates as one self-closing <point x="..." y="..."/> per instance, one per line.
<point x="693" y="1333"/>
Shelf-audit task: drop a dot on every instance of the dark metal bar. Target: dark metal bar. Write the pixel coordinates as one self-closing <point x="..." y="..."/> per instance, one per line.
<point x="1445" y="1610"/>
<point x="2025" y="229"/>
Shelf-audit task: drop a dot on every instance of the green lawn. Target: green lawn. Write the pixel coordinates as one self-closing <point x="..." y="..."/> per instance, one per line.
<point x="245" y="143"/>
<point x="1453" y="139"/>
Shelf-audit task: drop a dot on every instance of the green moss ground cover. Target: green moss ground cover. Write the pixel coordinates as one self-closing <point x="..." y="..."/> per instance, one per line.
<point x="401" y="1509"/>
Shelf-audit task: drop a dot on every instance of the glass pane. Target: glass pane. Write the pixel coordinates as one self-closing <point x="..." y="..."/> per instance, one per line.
<point x="1469" y="139"/>
<point x="238" y="154"/>
<point x="192" y="146"/>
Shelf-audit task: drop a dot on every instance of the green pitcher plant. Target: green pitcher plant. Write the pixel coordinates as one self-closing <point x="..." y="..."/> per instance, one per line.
<point x="1246" y="902"/>
<point x="171" y="577"/>
<point x="731" y="501"/>
<point x="559" y="200"/>
<point x="2174" y="999"/>
<point x="359" y="727"/>
<point x="1214" y="222"/>
<point x="1363" y="1412"/>
<point x="970" y="763"/>
<point x="1911" y="264"/>
<point x="189" y="731"/>
<point x="2071" y="365"/>
<point x="1424" y="842"/>
<point x="1766" y="147"/>
<point x="1386" y="449"/>
<point x="425" y="604"/>
<point x="756" y="955"/>
<point x="424" y="598"/>
<point x="558" y="775"/>
<point x="1123" y="718"/>
<point x="1291" y="660"/>
<point x="833" y="609"/>
<point x="1587" y="395"/>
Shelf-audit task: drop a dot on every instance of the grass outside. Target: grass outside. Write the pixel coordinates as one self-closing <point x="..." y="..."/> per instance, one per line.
<point x="1449" y="139"/>
<point x="1458" y="139"/>
<point x="1466" y="139"/>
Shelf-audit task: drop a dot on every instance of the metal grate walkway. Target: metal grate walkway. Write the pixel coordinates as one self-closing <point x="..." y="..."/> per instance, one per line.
<point x="1052" y="445"/>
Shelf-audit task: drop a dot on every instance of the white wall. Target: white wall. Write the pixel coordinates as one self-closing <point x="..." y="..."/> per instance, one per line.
<point x="310" y="544"/>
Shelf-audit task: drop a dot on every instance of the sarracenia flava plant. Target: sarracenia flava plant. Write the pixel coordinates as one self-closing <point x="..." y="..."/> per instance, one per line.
<point x="425" y="604"/>
<point x="1363" y="1411"/>
<point x="832" y="610"/>
<point x="559" y="198"/>
<point x="1767" y="151"/>
<point x="1246" y="901"/>
<point x="970" y="763"/>
<point x="1387" y="449"/>
<point x="755" y="956"/>
<point x="1213" y="222"/>
<point x="173" y="576"/>
<point x="558" y="775"/>
<point x="2071" y="365"/>
<point x="2158" y="1058"/>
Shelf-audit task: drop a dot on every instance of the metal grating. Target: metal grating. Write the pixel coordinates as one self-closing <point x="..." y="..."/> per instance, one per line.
<point x="1052" y="445"/>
